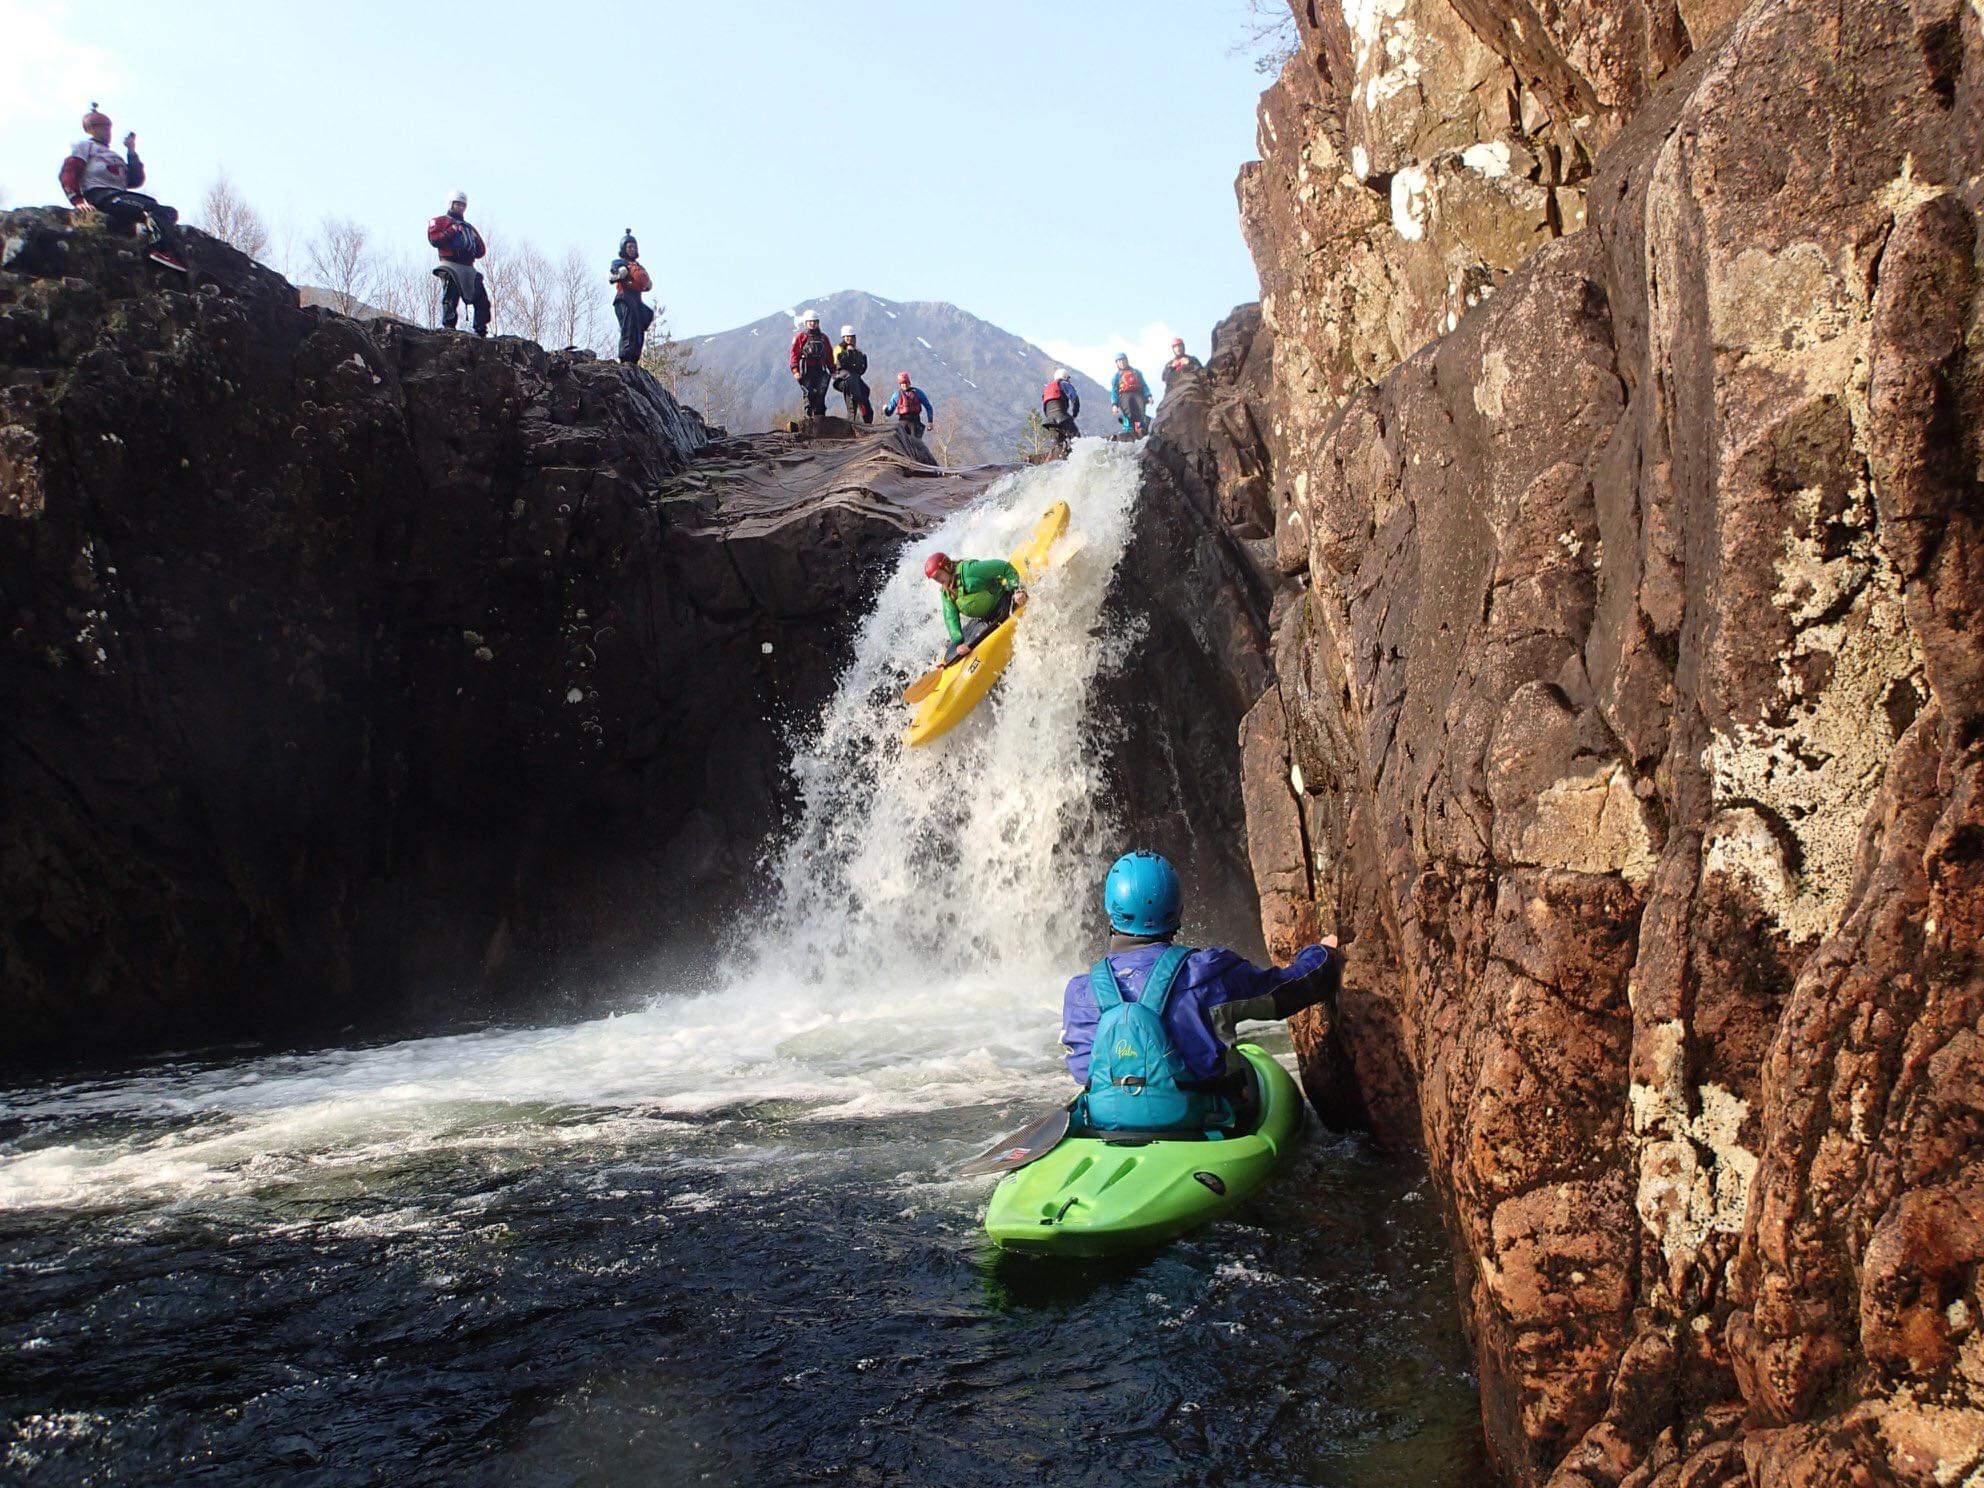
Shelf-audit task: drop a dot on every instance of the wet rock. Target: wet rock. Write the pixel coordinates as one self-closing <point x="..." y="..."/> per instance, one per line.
<point x="360" y="672"/>
<point x="1625" y="463"/>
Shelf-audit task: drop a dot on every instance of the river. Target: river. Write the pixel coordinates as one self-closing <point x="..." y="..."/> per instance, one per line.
<point x="716" y="1239"/>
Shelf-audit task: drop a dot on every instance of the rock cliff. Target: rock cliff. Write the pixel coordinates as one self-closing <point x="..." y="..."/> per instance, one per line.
<point x="353" y="671"/>
<point x="1624" y="430"/>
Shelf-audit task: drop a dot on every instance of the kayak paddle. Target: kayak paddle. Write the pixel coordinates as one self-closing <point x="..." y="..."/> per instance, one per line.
<point x="924" y="685"/>
<point x="1022" y="1147"/>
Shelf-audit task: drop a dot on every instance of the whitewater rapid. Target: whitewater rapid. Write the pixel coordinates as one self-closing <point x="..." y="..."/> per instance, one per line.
<point x="928" y="905"/>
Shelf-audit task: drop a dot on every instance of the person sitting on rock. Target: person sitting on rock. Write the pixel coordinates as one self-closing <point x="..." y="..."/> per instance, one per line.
<point x="1060" y="406"/>
<point x="630" y="281"/>
<point x="812" y="363"/>
<point x="95" y="178"/>
<point x="1149" y="1029"/>
<point x="1129" y="395"/>
<point x="911" y="407"/>
<point x="454" y="237"/>
<point x="979" y="593"/>
<point x="1180" y="362"/>
<point x="850" y="376"/>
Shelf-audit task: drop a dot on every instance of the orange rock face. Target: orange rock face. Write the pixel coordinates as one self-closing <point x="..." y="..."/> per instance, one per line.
<point x="1625" y="425"/>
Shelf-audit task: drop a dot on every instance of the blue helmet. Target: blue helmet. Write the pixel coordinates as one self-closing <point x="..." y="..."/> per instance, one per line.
<point x="1142" y="895"/>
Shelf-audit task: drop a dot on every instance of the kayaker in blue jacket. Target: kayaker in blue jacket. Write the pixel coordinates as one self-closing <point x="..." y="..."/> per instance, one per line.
<point x="1179" y="1070"/>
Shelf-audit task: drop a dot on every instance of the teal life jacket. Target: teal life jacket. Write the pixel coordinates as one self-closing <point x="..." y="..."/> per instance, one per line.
<point x="1133" y="1067"/>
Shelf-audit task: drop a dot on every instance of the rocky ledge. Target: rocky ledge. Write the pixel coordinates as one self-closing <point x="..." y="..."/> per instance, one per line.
<point x="354" y="672"/>
<point x="1627" y="700"/>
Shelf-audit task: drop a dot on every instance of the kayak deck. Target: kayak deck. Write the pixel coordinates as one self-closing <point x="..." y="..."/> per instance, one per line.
<point x="965" y="682"/>
<point x="1100" y="1196"/>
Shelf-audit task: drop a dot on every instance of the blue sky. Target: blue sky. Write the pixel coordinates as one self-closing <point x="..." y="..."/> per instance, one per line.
<point x="1065" y="171"/>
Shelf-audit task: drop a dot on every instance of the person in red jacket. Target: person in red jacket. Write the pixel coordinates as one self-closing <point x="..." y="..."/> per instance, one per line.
<point x="454" y="237"/>
<point x="95" y="178"/>
<point x="813" y="363"/>
<point x="1181" y="362"/>
<point x="630" y="281"/>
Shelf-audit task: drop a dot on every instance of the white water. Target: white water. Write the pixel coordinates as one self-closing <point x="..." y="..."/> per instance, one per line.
<point x="930" y="904"/>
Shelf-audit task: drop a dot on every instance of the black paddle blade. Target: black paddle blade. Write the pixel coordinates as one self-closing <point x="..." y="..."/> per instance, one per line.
<point x="1021" y="1148"/>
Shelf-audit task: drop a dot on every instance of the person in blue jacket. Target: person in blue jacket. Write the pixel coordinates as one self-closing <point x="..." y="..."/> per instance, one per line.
<point x="1205" y="995"/>
<point x="911" y="406"/>
<point x="1129" y="395"/>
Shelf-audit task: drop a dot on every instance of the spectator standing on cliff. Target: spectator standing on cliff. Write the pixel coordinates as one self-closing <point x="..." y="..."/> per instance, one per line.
<point x="911" y="406"/>
<point x="812" y="363"/>
<point x="95" y="178"/>
<point x="1181" y="362"/>
<point x="850" y="376"/>
<point x="630" y="281"/>
<point x="1060" y="406"/>
<point x="1129" y="395"/>
<point x="454" y="237"/>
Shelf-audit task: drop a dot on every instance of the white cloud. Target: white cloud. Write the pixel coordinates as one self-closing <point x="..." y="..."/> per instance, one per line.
<point x="48" y="73"/>
<point x="1149" y="350"/>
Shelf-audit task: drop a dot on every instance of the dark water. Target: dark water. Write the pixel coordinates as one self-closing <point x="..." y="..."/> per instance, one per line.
<point x="742" y="1301"/>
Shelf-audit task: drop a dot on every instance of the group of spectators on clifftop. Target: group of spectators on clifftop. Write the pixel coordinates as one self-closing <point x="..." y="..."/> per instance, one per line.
<point x="100" y="181"/>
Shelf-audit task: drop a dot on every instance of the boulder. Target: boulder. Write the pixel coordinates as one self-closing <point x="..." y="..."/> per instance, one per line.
<point x="358" y="673"/>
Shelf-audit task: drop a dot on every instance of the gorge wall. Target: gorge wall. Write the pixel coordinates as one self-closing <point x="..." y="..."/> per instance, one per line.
<point x="1624" y="425"/>
<point x="354" y="671"/>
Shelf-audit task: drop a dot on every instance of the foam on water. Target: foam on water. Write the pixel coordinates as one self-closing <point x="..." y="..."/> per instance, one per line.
<point x="928" y="905"/>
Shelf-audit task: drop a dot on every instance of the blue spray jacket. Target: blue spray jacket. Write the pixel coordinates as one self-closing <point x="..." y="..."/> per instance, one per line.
<point x="897" y="405"/>
<point x="1209" y="993"/>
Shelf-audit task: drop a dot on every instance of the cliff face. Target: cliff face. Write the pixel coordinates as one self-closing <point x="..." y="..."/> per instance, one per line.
<point x="1625" y="426"/>
<point x="358" y="671"/>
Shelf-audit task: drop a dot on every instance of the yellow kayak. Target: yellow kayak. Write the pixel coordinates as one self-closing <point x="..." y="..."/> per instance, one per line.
<point x="965" y="682"/>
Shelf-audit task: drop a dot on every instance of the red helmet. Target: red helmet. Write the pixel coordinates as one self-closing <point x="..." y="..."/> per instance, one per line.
<point x="903" y="378"/>
<point x="1178" y="344"/>
<point x="94" y="118"/>
<point x="936" y="565"/>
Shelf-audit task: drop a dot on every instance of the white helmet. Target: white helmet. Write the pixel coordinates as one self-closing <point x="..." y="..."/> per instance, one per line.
<point x="810" y="317"/>
<point x="1061" y="374"/>
<point x="460" y="198"/>
<point x="847" y="330"/>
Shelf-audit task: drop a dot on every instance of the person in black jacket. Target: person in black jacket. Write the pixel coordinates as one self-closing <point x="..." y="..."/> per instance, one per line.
<point x="850" y="369"/>
<point x="630" y="281"/>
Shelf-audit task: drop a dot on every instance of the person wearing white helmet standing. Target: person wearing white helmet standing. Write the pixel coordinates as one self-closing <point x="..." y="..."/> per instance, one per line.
<point x="1060" y="406"/>
<point x="459" y="245"/>
<point x="812" y="363"/>
<point x="850" y="376"/>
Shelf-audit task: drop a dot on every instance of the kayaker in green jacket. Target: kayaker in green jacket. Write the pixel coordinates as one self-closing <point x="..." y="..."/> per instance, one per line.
<point x="979" y="593"/>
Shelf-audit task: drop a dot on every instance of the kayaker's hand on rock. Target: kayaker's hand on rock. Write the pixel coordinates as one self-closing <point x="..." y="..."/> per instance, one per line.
<point x="1330" y="941"/>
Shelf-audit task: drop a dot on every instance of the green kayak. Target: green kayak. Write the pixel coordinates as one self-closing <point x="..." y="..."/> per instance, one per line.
<point x="1099" y="1196"/>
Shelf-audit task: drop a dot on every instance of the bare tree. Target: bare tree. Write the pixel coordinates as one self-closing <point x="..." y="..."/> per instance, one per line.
<point x="1268" y="35"/>
<point x="1036" y="444"/>
<point x="720" y="399"/>
<point x="576" y="293"/>
<point x="340" y="257"/>
<point x="228" y="217"/>
<point x="406" y="286"/>
<point x="942" y="440"/>
<point x="528" y="289"/>
<point x="670" y="362"/>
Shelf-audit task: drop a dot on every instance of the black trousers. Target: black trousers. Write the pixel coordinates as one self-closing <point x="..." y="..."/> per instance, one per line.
<point x="635" y="318"/>
<point x="860" y="405"/>
<point x="451" y="301"/>
<point x="124" y="210"/>
<point x="1063" y="435"/>
<point x="977" y="630"/>
<point x="915" y="427"/>
<point x="814" y="384"/>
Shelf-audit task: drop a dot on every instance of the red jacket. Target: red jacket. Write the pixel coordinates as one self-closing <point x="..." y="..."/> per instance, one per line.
<point x="455" y="239"/>
<point x="823" y="357"/>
